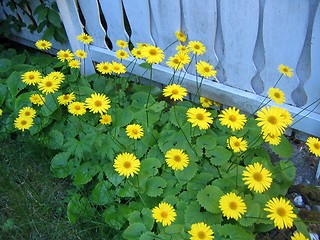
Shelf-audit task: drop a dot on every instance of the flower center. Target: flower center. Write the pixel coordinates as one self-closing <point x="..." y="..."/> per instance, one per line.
<point x="77" y="107"/>
<point x="116" y="68"/>
<point x="48" y="84"/>
<point x="164" y="214"/>
<point x="175" y="60"/>
<point x="65" y="97"/>
<point x="285" y="69"/>
<point x="200" y="116"/>
<point x="206" y="69"/>
<point x="281" y="211"/>
<point x="277" y="95"/>
<point x="134" y="131"/>
<point x="175" y="91"/>
<point x="196" y="46"/>
<point x="105" y="67"/>
<point x="152" y="52"/>
<point x="43" y="44"/>
<point x="31" y="77"/>
<point x="201" y="235"/>
<point x="233" y="205"/>
<point x="23" y="122"/>
<point x="127" y="165"/>
<point x="66" y="55"/>
<point x="27" y="113"/>
<point x="236" y="144"/>
<point x="272" y="120"/>
<point x="177" y="158"/>
<point x="85" y="38"/>
<point x="98" y="103"/>
<point x="316" y="146"/>
<point x="257" y="176"/>
<point x="232" y="118"/>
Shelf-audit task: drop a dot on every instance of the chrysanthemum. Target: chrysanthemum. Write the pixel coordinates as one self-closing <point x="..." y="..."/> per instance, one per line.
<point x="232" y="118"/>
<point x="74" y="63"/>
<point x="152" y="54"/>
<point x="104" y="68"/>
<point x="237" y="144"/>
<point x="257" y="177"/>
<point x="199" y="117"/>
<point x="143" y="45"/>
<point x="285" y="70"/>
<point x="276" y="95"/>
<point x="183" y="49"/>
<point x="177" y="159"/>
<point x="205" y="102"/>
<point x="232" y="206"/>
<point x="122" y="54"/>
<point x="106" y="119"/>
<point x="98" y="103"/>
<point x="271" y="139"/>
<point x="122" y="44"/>
<point x="314" y="145"/>
<point x="65" y="55"/>
<point x="134" y="131"/>
<point x="126" y="164"/>
<point x="136" y="52"/>
<point x="298" y="236"/>
<point x="43" y="44"/>
<point x="23" y="123"/>
<point x="85" y="38"/>
<point x="118" y="68"/>
<point x="175" y="92"/>
<point x="174" y="63"/>
<point x="164" y="213"/>
<point x="197" y="47"/>
<point x="31" y="77"/>
<point x="37" y="99"/>
<point x="271" y="121"/>
<point x="66" y="99"/>
<point x="181" y="36"/>
<point x="77" y="108"/>
<point x="281" y="212"/>
<point x="183" y="57"/>
<point x="48" y="85"/>
<point x="287" y="118"/>
<point x="27" y="112"/>
<point x="217" y="104"/>
<point x="80" y="53"/>
<point x="205" y="69"/>
<point x="57" y="76"/>
<point x="201" y="231"/>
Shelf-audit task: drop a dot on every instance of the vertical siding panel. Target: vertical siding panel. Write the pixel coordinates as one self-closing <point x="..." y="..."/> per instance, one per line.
<point x="239" y="20"/>
<point x="284" y="31"/>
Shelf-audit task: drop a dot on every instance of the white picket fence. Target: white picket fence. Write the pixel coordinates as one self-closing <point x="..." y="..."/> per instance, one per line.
<point x="246" y="40"/>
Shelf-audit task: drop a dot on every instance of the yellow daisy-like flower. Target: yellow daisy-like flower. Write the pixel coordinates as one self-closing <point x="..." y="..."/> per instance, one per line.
<point x="74" y="63"/>
<point x="48" y="85"/>
<point x="177" y="159"/>
<point x="85" y="38"/>
<point x="134" y="131"/>
<point x="174" y="63"/>
<point x="27" y="112"/>
<point x="1" y="112"/>
<point x="122" y="44"/>
<point x="31" y="77"/>
<point x="237" y="144"/>
<point x="271" y="121"/>
<point x="136" y="52"/>
<point x="281" y="212"/>
<point x="77" y="108"/>
<point x="57" y="76"/>
<point x="285" y="70"/>
<point x="66" y="99"/>
<point x="271" y="139"/>
<point x="314" y="145"/>
<point x="183" y="49"/>
<point x="126" y="164"/>
<point x="175" y="92"/>
<point x="197" y="47"/>
<point x="152" y="54"/>
<point x="199" y="117"/>
<point x="276" y="95"/>
<point x="98" y="103"/>
<point x="164" y="213"/>
<point x="80" y="54"/>
<point x="287" y="119"/>
<point x="104" y="68"/>
<point x="232" y="206"/>
<point x="106" y="119"/>
<point x="143" y="45"/>
<point x="23" y="123"/>
<point x="232" y="118"/>
<point x="205" y="69"/>
<point x="65" y="55"/>
<point x="201" y="231"/>
<point x="217" y="104"/>
<point x="181" y="36"/>
<point x="37" y="99"/>
<point x="205" y="102"/>
<point x="43" y="44"/>
<point x="183" y="57"/>
<point x="118" y="68"/>
<point x="298" y="236"/>
<point x="257" y="177"/>
<point x="122" y="54"/>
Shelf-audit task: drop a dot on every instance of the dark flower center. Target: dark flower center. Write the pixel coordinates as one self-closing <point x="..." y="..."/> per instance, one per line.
<point x="233" y="205"/>
<point x="281" y="212"/>
<point x="272" y="120"/>
<point x="200" y="116"/>
<point x="257" y="176"/>
<point x="127" y="165"/>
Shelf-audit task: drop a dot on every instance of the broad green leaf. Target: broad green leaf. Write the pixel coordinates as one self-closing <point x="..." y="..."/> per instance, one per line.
<point x="157" y="106"/>
<point x="22" y="101"/>
<point x="5" y="65"/>
<point x="126" y="191"/>
<point x="79" y="208"/>
<point x="122" y="117"/>
<point x="134" y="231"/>
<point x="42" y="14"/>
<point x="85" y="173"/>
<point x="221" y="155"/>
<point x="144" y="217"/>
<point x="22" y="67"/>
<point x="18" y="59"/>
<point x="113" y="217"/>
<point x="252" y="214"/>
<point x="194" y="214"/>
<point x="145" y="65"/>
<point x="50" y="105"/>
<point x="150" y="236"/>
<point x="112" y="175"/>
<point x="140" y="99"/>
<point x="234" y="232"/>
<point x="102" y="194"/>
<point x="185" y="175"/>
<point x="199" y="182"/>
<point x="3" y="93"/>
<point x="59" y="165"/>
<point x="55" y="139"/>
<point x="209" y="198"/>
<point x="178" y="115"/>
<point x="283" y="149"/>
<point x="155" y="186"/>
<point x="14" y="84"/>
<point x="54" y="18"/>
<point x="174" y="231"/>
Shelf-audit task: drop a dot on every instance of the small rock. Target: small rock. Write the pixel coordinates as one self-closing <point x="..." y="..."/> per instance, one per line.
<point x="298" y="201"/>
<point x="316" y="208"/>
<point x="314" y="236"/>
<point x="307" y="207"/>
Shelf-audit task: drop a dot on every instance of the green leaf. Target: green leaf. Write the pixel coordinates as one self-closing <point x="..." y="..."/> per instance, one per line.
<point x="112" y="175"/>
<point x="157" y="106"/>
<point x="85" y="173"/>
<point x="3" y="93"/>
<point x="185" y="175"/>
<point x="145" y="217"/>
<point x="134" y="231"/>
<point x="150" y="236"/>
<point x="220" y="155"/>
<point x="209" y="198"/>
<point x="102" y="194"/>
<point x="122" y="117"/>
<point x="140" y="99"/>
<point x="126" y="191"/>
<point x="5" y="65"/>
<point x="174" y="231"/>
<point x="194" y="214"/>
<point x="22" y="67"/>
<point x="155" y="186"/>
<point x="79" y="207"/>
<point x="48" y="33"/>
<point x="234" y="232"/>
<point x="113" y="217"/>
<point x="59" y="165"/>
<point x="14" y="84"/>
<point x="145" y="65"/>
<point x="55" y="139"/>
<point x="252" y="214"/>
<point x="42" y="14"/>
<point x="50" y="105"/>
<point x="18" y="59"/>
<point x="54" y="18"/>
<point x="283" y="149"/>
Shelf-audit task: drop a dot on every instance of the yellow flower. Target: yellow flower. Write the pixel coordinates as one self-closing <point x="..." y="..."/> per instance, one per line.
<point x="183" y="49"/>
<point x="57" y="76"/>
<point x="183" y="57"/>
<point x="232" y="206"/>
<point x="314" y="145"/>
<point x="164" y="213"/>
<point x="271" y="121"/>
<point x="118" y="68"/>
<point x="237" y="144"/>
<point x="48" y="85"/>
<point x="77" y="108"/>
<point x="66" y="99"/>
<point x="287" y="119"/>
<point x="205" y="102"/>
<point x="104" y="68"/>
<point x="43" y="44"/>
<point x="177" y="159"/>
<point x="37" y="99"/>
<point x="126" y="164"/>
<point x="143" y="45"/>
<point x="152" y="54"/>
<point x="181" y="36"/>
<point x="74" y="63"/>
<point x="285" y="70"/>
<point x="197" y="47"/>
<point x="174" y="63"/>
<point x="217" y="104"/>
<point x="231" y="118"/>
<point x="281" y="212"/>
<point x="65" y="55"/>
<point x="201" y="231"/>
<point x="276" y="95"/>
<point x="80" y="54"/>
<point x="31" y="77"/>
<point x="1" y="112"/>
<point x="271" y="139"/>
<point x="27" y="112"/>
<point x="175" y="92"/>
<point x="98" y="103"/>
<point x="23" y="123"/>
<point x="105" y="119"/>
<point x="257" y="177"/>
<point x="298" y="236"/>
<point x="205" y="69"/>
<point x="85" y="38"/>
<point x="136" y="52"/>
<point x="122" y="54"/>
<point x="122" y="44"/>
<point x="134" y="131"/>
<point x="199" y="117"/>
